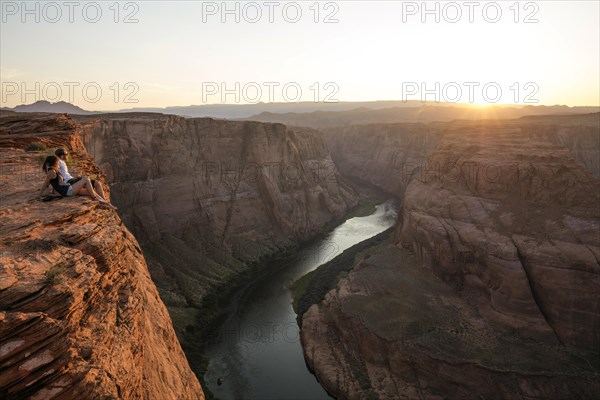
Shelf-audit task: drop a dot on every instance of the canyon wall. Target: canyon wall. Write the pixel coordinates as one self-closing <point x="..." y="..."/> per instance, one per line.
<point x="211" y="200"/>
<point x="525" y="222"/>
<point x="490" y="285"/>
<point x="384" y="155"/>
<point x="80" y="317"/>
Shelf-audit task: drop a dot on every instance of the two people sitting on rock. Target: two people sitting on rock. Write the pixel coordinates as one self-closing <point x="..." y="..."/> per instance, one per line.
<point x="80" y="186"/>
<point x="64" y="171"/>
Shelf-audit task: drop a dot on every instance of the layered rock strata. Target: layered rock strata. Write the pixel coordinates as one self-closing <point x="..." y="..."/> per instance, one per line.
<point x="490" y="285"/>
<point x="80" y="317"/>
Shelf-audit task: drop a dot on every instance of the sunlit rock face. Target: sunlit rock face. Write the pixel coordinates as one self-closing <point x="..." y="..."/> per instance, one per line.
<point x="80" y="317"/>
<point x="490" y="285"/>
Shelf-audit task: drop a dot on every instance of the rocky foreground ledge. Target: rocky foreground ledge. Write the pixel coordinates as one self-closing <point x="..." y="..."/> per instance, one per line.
<point x="80" y="317"/>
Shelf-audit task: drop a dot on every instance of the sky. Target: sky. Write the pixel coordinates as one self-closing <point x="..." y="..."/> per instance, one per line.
<point x="109" y="55"/>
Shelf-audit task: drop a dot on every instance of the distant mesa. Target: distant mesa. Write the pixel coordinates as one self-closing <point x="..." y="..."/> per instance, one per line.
<point x="61" y="107"/>
<point x="325" y="115"/>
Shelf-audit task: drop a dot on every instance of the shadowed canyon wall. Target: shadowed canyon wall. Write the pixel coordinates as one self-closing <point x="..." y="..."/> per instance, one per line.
<point x="490" y="285"/>
<point x="80" y="317"/>
<point x="385" y="155"/>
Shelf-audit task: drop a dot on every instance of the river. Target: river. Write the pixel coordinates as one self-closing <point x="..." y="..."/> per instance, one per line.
<point x="257" y="352"/>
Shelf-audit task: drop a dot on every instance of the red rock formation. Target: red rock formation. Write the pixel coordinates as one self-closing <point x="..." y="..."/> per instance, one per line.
<point x="393" y="330"/>
<point x="528" y="214"/>
<point x="491" y="286"/>
<point x="80" y="317"/>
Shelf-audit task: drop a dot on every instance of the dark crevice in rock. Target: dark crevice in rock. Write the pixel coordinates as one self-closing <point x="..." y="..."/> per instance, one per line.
<point x="534" y="293"/>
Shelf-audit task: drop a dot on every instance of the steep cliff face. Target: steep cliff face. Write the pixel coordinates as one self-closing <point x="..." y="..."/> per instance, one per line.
<point x="80" y="317"/>
<point x="208" y="198"/>
<point x="385" y="155"/>
<point x="526" y="219"/>
<point x="490" y="285"/>
<point x="392" y="329"/>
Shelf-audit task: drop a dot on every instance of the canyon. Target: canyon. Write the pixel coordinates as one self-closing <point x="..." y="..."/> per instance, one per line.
<point x="211" y="201"/>
<point x="490" y="284"/>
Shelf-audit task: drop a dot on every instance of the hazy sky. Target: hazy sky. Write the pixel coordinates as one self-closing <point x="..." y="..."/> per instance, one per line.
<point x="181" y="53"/>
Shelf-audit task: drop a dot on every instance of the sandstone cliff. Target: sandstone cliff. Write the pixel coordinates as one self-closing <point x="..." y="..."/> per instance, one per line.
<point x="526" y="216"/>
<point x="80" y="317"/>
<point x="490" y="285"/>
